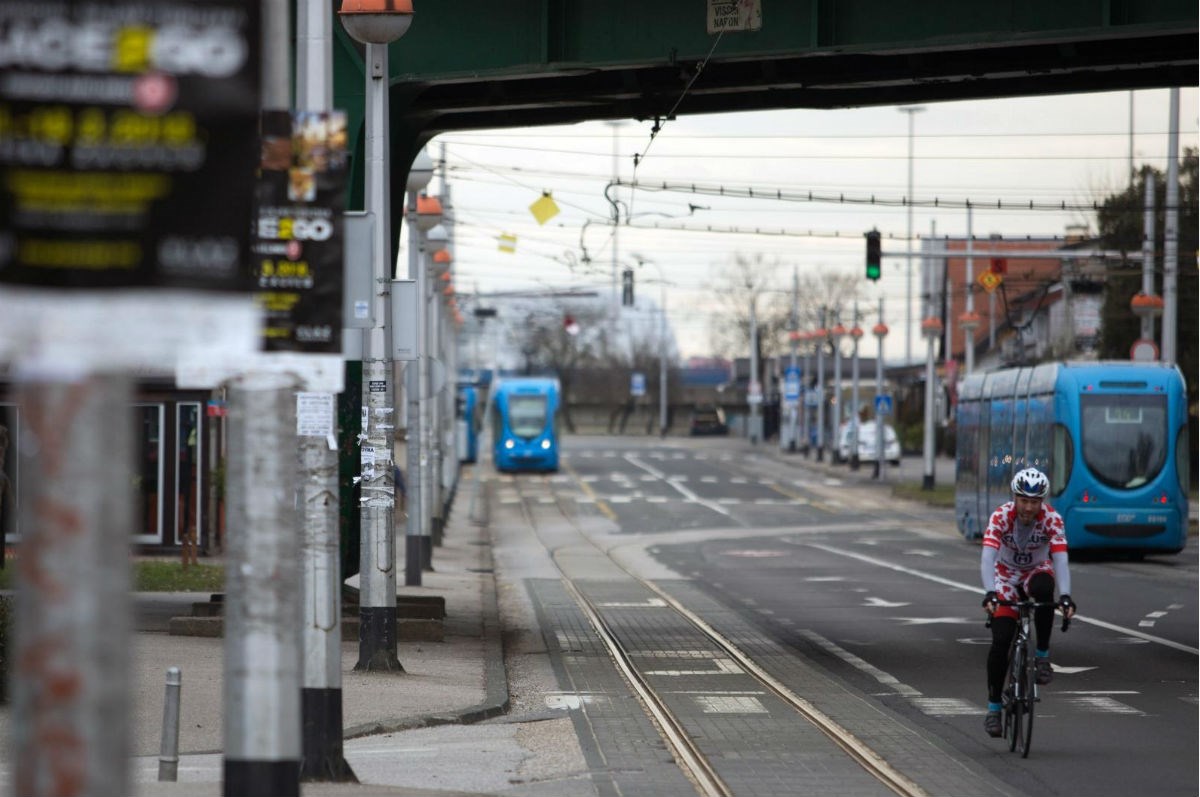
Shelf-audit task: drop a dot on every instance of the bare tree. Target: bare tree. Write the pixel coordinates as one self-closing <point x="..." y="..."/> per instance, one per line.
<point x="770" y="285"/>
<point x="562" y="340"/>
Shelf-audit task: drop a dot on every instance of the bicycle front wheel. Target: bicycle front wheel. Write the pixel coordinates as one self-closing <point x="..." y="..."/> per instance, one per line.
<point x="1014" y="703"/>
<point x="1028" y="698"/>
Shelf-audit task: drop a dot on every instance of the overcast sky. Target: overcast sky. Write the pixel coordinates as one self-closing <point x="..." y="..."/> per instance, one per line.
<point x="1073" y="149"/>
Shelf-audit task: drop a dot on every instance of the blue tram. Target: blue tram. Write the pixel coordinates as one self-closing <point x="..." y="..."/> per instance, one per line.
<point x="466" y="405"/>
<point x="525" y="423"/>
<point x="1111" y="436"/>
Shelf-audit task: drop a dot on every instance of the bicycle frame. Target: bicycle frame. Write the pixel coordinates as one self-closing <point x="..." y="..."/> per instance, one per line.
<point x="1020" y="682"/>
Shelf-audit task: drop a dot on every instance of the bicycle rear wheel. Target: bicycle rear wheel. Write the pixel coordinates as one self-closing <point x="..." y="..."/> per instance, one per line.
<point x="1028" y="698"/>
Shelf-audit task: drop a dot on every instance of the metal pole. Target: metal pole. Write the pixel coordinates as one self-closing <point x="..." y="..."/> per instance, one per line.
<point x="836" y="405"/>
<point x="321" y="692"/>
<point x="1170" y="324"/>
<point x="821" y="386"/>
<point x="412" y="390"/>
<point x="880" y="456"/>
<point x="969" y="332"/>
<point x="262" y="604"/>
<point x="377" y="564"/>
<point x="662" y="364"/>
<point x="794" y="334"/>
<point x="755" y="421"/>
<point x="168" y="751"/>
<point x="1148" y="251"/>
<point x="425" y="406"/>
<point x="71" y="659"/>
<point x="805" y="379"/>
<point x="931" y="335"/>
<point x="855" y="333"/>
<point x="911" y="110"/>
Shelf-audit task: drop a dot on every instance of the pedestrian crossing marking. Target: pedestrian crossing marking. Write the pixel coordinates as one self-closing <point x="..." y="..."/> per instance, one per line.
<point x="946" y="706"/>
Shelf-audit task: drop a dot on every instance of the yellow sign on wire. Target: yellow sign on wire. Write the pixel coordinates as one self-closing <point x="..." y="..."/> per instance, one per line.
<point x="544" y="208"/>
<point x="507" y="242"/>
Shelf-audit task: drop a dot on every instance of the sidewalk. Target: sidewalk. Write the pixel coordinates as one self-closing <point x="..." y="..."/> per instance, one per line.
<point x="459" y="680"/>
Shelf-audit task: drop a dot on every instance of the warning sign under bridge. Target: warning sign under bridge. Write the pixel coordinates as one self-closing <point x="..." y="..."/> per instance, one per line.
<point x="727" y="15"/>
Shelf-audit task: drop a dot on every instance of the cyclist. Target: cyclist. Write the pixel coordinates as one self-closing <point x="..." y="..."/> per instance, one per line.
<point x="1024" y="555"/>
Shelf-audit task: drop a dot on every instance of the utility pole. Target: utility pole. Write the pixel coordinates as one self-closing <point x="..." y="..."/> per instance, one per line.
<point x="755" y="388"/>
<point x="70" y="655"/>
<point x="911" y="110"/>
<point x="820" y="341"/>
<point x="321" y="693"/>
<point x="263" y="655"/>
<point x="1170" y="318"/>
<point x="880" y="331"/>
<point x="377" y="568"/>
<point x="856" y="334"/>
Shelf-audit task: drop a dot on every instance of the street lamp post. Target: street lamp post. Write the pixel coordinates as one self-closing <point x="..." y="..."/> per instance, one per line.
<point x="880" y="332"/>
<point x="856" y="334"/>
<point x="835" y="335"/>
<point x="911" y="110"/>
<point x="419" y="175"/>
<point x="433" y="241"/>
<point x="376" y="24"/>
<point x="819" y="339"/>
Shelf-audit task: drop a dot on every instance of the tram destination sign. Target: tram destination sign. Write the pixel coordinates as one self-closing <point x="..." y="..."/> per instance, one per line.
<point x="128" y="143"/>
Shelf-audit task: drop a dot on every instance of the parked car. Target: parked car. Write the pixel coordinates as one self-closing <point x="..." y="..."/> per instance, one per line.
<point x="707" y="420"/>
<point x="866" y="443"/>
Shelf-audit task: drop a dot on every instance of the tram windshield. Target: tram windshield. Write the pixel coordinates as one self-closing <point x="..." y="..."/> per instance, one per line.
<point x="1124" y="438"/>
<point x="527" y="415"/>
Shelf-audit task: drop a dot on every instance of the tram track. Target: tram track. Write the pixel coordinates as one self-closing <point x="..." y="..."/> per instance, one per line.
<point x="688" y="755"/>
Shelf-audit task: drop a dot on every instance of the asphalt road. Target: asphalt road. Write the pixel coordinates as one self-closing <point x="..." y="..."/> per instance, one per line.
<point x="883" y="594"/>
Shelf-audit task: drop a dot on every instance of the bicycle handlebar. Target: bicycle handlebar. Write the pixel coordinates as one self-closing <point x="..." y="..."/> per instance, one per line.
<point x="1031" y="605"/>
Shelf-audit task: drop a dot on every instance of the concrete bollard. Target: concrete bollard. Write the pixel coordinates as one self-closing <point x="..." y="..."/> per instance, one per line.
<point x="168" y="756"/>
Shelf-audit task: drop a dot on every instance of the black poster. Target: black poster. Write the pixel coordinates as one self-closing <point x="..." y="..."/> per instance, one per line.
<point x="128" y="142"/>
<point x="298" y="236"/>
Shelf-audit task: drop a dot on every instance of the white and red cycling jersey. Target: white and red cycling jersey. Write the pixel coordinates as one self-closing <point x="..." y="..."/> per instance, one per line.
<point x="1014" y="552"/>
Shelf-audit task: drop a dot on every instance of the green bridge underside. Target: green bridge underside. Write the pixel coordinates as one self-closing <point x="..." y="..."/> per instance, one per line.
<point x="472" y="64"/>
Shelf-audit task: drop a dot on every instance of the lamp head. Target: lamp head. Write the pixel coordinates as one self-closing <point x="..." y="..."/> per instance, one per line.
<point x="420" y="173"/>
<point x="435" y="239"/>
<point x="376" y="21"/>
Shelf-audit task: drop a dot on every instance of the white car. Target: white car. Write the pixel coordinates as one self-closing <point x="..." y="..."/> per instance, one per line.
<point x="866" y="443"/>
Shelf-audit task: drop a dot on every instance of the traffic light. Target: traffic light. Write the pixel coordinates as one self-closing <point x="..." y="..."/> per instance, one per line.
<point x="627" y="287"/>
<point x="874" y="256"/>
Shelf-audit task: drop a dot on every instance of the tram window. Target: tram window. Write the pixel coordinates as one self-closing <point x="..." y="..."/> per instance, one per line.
<point x="1062" y="459"/>
<point x="1124" y="437"/>
<point x="1183" y="459"/>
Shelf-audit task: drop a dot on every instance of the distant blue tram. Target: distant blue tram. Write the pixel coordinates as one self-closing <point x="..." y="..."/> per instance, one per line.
<point x="467" y="406"/>
<point x="1112" y="437"/>
<point x="525" y="421"/>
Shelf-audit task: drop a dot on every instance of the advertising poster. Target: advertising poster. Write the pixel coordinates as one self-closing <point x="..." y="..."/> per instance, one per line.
<point x="299" y="230"/>
<point x="128" y="138"/>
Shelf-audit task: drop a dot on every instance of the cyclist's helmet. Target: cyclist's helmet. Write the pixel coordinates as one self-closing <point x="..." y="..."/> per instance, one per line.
<point x="1030" y="483"/>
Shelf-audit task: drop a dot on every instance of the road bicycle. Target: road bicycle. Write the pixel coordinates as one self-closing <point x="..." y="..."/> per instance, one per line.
<point x="1020" y="682"/>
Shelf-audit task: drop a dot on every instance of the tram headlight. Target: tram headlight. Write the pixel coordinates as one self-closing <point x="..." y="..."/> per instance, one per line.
<point x="546" y="445"/>
<point x="509" y="444"/>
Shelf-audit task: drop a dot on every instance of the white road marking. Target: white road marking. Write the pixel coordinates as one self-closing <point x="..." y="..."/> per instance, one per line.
<point x="979" y="591"/>
<point x="649" y="603"/>
<point x="723" y="667"/>
<point x="1103" y="704"/>
<point x="864" y="666"/>
<point x="885" y="604"/>
<point x="728" y="704"/>
<point x="946" y="706"/>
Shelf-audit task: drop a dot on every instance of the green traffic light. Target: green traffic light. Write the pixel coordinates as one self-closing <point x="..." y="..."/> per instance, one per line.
<point x="872" y="271"/>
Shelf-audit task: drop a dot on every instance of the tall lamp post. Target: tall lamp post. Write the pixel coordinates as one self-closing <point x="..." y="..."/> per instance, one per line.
<point x="376" y="24"/>
<point x="419" y="175"/>
<point x="911" y="110"/>
<point x="880" y="332"/>
<point x="432" y="242"/>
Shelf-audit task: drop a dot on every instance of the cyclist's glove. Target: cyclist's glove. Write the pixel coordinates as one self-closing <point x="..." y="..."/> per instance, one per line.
<point x="1066" y="604"/>
<point x="989" y="599"/>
